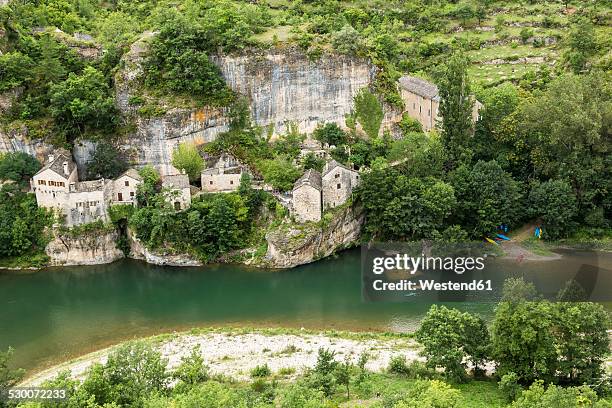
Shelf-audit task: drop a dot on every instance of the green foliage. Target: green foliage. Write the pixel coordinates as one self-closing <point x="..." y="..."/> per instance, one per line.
<point x="106" y="162"/>
<point x="421" y="155"/>
<point x="261" y="371"/>
<point x="192" y="370"/>
<point x="431" y="393"/>
<point x="19" y="167"/>
<point x="15" y="69"/>
<point x="178" y="62"/>
<point x="9" y="376"/>
<point x="555" y="204"/>
<point x="83" y="103"/>
<point x="399" y="207"/>
<point x="297" y="396"/>
<point x="398" y="365"/>
<point x="582" y="44"/>
<point x="311" y="161"/>
<point x="409" y="125"/>
<point x="451" y="338"/>
<point x="347" y="41"/>
<point x="456" y="108"/>
<point x="322" y="376"/>
<point x="368" y="112"/>
<point x="151" y="184"/>
<point x="509" y="386"/>
<point x="537" y="396"/>
<point x="331" y="134"/>
<point x="279" y="172"/>
<point x="23" y="223"/>
<point x="487" y="197"/>
<point x="186" y="157"/>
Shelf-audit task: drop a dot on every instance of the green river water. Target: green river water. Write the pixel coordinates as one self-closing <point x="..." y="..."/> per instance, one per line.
<point x="58" y="313"/>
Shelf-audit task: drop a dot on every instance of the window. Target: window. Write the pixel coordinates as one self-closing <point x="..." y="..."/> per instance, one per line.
<point x="420" y="109"/>
<point x="232" y="182"/>
<point x="119" y="196"/>
<point x="428" y="112"/>
<point x="127" y="183"/>
<point x="177" y="205"/>
<point x="337" y="175"/>
<point x="210" y="182"/>
<point x="42" y="183"/>
<point x="93" y="203"/>
<point x="62" y="184"/>
<point x="338" y="186"/>
<point x="414" y="106"/>
<point x="131" y="194"/>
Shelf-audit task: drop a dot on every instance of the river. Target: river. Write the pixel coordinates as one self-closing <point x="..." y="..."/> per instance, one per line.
<point x="58" y="313"/>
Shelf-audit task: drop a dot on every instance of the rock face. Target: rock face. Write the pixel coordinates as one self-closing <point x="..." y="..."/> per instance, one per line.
<point x="297" y="246"/>
<point x="17" y="140"/>
<point x="139" y="251"/>
<point x="285" y="88"/>
<point x="91" y="248"/>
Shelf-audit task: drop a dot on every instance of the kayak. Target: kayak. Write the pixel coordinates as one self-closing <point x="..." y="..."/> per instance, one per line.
<point x="491" y="241"/>
<point x="502" y="236"/>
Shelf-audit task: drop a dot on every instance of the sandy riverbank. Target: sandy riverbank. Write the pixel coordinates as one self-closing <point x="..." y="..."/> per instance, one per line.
<point x="235" y="354"/>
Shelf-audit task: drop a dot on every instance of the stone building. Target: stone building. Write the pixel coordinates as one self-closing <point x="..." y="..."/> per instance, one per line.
<point x="178" y="190"/>
<point x="422" y="101"/>
<point x="224" y="175"/>
<point x="124" y="187"/>
<point x="306" y="202"/>
<point x="338" y="182"/>
<point x="313" y="146"/>
<point x="57" y="187"/>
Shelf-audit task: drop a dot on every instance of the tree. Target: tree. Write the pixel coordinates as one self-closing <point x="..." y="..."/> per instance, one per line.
<point x="279" y="172"/>
<point x="322" y="376"/>
<point x="420" y="155"/>
<point x="9" y="376"/>
<point x="347" y="41"/>
<point x="311" y="161"/>
<point x="331" y="134"/>
<point x="399" y="207"/>
<point x="15" y="69"/>
<point x="456" y="105"/>
<point x="554" y="203"/>
<point x="487" y="197"/>
<point x="83" y="102"/>
<point x="582" y="44"/>
<point x="192" y="370"/>
<point x="146" y="191"/>
<point x="106" y="162"/>
<point x="19" y="167"/>
<point x="426" y="393"/>
<point x="343" y="375"/>
<point x="369" y="112"/>
<point x="537" y="396"/>
<point x="186" y="157"/>
<point x="450" y="337"/>
<point x="178" y="61"/>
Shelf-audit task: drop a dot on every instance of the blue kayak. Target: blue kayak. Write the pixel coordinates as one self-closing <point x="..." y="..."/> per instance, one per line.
<point x="502" y="236"/>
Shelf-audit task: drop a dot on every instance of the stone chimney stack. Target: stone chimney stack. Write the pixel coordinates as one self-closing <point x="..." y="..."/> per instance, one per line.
<point x="51" y="158"/>
<point x="66" y="169"/>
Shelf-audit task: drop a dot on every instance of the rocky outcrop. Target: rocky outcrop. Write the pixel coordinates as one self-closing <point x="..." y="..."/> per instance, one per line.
<point x="90" y="248"/>
<point x="139" y="251"/>
<point x="17" y="139"/>
<point x="295" y="245"/>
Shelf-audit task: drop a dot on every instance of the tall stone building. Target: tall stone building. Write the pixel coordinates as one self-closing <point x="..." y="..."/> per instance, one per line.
<point x="306" y="202"/>
<point x="422" y="101"/>
<point x="124" y="187"/>
<point x="338" y="182"/>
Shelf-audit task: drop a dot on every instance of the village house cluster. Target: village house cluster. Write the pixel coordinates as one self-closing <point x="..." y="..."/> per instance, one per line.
<point x="57" y="187"/>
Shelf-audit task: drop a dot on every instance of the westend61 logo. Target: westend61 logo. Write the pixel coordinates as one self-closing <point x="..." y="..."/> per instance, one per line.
<point x="473" y="272"/>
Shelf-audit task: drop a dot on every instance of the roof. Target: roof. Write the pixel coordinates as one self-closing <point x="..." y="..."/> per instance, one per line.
<point x="329" y="166"/>
<point x="90" y="186"/>
<point x="419" y="86"/>
<point x="132" y="173"/>
<point x="310" y="178"/>
<point x="175" y="181"/>
<point x="57" y="165"/>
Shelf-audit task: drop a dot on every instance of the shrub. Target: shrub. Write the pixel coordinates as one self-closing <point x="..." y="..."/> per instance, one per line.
<point x="192" y="369"/>
<point x="19" y="167"/>
<point x="186" y="157"/>
<point x="106" y="162"/>
<point x="397" y="365"/>
<point x="261" y="371"/>
<point x="369" y="112"/>
<point x="508" y="385"/>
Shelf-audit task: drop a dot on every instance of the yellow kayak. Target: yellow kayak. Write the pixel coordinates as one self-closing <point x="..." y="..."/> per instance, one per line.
<point x="490" y="240"/>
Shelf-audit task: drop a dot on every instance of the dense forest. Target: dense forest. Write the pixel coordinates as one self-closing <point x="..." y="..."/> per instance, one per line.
<point x="539" y="154"/>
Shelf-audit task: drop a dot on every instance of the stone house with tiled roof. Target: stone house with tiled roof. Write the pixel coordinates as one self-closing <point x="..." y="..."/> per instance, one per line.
<point x="177" y="190"/>
<point x="125" y="186"/>
<point x="338" y="183"/>
<point x="306" y="201"/>
<point x="422" y="101"/>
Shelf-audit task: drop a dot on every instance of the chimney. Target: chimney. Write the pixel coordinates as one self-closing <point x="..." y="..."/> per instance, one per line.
<point x="66" y="168"/>
<point x="72" y="187"/>
<point x="51" y="158"/>
<point x="182" y="171"/>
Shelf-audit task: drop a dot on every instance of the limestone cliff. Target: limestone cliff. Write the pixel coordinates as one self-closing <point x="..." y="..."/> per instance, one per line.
<point x="301" y="244"/>
<point x="89" y="248"/>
